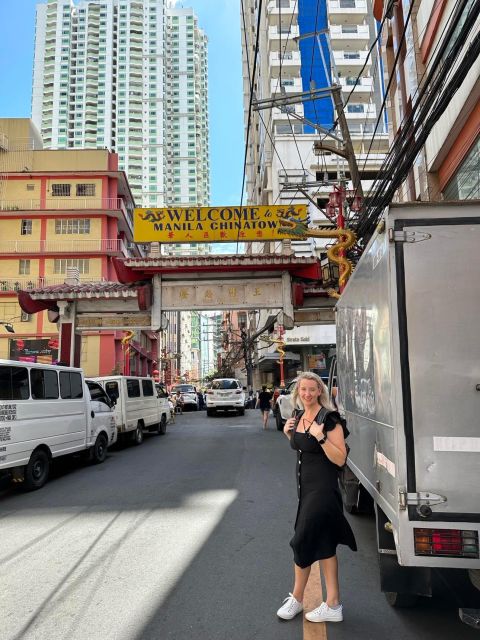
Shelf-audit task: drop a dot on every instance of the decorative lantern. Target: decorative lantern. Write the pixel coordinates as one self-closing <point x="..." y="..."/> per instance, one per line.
<point x="335" y="199"/>
<point x="356" y="203"/>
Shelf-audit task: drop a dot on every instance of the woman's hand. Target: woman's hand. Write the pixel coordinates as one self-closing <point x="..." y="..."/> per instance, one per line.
<point x="316" y="430"/>
<point x="288" y="428"/>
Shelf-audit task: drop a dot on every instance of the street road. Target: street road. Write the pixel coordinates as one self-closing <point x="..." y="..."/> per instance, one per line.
<point x="184" y="537"/>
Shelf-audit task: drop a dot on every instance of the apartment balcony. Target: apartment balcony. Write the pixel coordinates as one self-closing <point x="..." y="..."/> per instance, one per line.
<point x="291" y="85"/>
<point x="63" y="204"/>
<point x="282" y="38"/>
<point x="349" y="63"/>
<point x="360" y="111"/>
<point x="362" y="89"/>
<point x="346" y="11"/>
<point x="354" y="36"/>
<point x="289" y="61"/>
<point x="62" y="245"/>
<point x="282" y="8"/>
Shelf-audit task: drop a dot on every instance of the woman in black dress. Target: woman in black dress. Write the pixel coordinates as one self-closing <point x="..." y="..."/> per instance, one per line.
<point x="320" y="524"/>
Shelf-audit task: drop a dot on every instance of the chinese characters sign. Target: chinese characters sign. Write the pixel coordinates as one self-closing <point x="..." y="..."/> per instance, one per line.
<point x="215" y="224"/>
<point x="256" y="294"/>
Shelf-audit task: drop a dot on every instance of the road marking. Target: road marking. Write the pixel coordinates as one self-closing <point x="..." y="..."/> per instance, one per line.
<point x="312" y="598"/>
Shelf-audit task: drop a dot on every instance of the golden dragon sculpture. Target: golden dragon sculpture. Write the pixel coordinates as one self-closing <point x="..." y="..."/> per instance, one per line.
<point x="346" y="238"/>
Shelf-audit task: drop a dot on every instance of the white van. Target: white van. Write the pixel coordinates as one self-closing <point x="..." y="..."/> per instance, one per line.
<point x="137" y="406"/>
<point x="49" y="411"/>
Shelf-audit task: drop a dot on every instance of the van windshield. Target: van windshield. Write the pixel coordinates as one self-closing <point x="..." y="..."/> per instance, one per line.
<point x="225" y="384"/>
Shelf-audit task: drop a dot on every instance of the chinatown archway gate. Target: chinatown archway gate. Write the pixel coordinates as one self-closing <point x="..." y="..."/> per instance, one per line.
<point x="148" y="287"/>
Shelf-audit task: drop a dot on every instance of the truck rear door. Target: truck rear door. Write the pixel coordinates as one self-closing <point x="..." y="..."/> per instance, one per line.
<point x="438" y="289"/>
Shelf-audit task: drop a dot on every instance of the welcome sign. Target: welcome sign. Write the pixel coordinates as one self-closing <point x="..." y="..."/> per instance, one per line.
<point x="215" y="224"/>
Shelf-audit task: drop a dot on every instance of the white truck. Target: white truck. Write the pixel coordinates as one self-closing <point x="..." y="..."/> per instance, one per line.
<point x="49" y="411"/>
<point x="408" y="368"/>
<point x="138" y="405"/>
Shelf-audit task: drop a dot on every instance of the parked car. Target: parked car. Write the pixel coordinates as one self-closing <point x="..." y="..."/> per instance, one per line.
<point x="137" y="406"/>
<point x="49" y="411"/>
<point x="225" y="394"/>
<point x="190" y="398"/>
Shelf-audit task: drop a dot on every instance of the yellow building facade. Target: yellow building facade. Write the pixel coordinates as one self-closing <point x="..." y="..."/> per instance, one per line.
<point x="60" y="209"/>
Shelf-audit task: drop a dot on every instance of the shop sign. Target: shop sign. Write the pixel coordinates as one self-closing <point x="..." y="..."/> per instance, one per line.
<point x="44" y="351"/>
<point x="215" y="224"/>
<point x="311" y="334"/>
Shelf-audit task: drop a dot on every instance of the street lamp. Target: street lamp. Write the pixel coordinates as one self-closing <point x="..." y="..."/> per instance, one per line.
<point x="8" y="326"/>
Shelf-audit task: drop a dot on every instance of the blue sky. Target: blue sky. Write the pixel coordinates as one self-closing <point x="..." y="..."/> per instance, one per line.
<point x="220" y="19"/>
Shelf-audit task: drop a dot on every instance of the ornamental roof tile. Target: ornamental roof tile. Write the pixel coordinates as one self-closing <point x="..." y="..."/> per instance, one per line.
<point x="103" y="289"/>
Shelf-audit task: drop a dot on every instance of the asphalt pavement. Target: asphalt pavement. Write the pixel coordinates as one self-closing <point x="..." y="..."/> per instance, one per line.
<point x="183" y="537"/>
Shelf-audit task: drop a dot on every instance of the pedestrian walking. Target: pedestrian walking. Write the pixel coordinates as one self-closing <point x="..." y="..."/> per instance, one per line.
<point x="264" y="402"/>
<point x="317" y="435"/>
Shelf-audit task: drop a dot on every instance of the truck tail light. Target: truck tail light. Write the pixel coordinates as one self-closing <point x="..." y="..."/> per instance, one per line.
<point x="210" y="393"/>
<point x="452" y="543"/>
<point x="238" y="391"/>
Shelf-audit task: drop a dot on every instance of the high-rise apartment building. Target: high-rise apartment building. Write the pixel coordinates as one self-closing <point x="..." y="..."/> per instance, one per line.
<point x="100" y="82"/>
<point x="187" y="168"/>
<point x="303" y="45"/>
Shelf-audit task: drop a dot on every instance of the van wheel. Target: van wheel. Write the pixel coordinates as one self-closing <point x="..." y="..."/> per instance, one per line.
<point x="401" y="600"/>
<point x="162" y="426"/>
<point x="137" y="437"/>
<point x="99" y="449"/>
<point x="37" y="470"/>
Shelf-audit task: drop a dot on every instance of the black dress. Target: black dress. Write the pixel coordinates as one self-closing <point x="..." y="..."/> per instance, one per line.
<point x="320" y="524"/>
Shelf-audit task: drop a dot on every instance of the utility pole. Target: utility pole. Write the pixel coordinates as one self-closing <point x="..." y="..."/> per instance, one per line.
<point x="247" y="356"/>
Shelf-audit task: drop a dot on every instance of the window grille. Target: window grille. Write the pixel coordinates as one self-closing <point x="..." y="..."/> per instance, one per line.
<point x="26" y="227"/>
<point x="61" y="190"/>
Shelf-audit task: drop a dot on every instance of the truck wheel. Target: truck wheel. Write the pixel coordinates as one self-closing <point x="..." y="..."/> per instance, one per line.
<point x="401" y="600"/>
<point x="210" y="412"/>
<point x="162" y="426"/>
<point x="37" y="470"/>
<point x="99" y="449"/>
<point x="279" y="420"/>
<point x="241" y="412"/>
<point x="137" y="436"/>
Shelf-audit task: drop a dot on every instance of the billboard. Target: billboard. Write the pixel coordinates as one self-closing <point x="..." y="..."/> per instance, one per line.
<point x="215" y="224"/>
<point x="44" y="351"/>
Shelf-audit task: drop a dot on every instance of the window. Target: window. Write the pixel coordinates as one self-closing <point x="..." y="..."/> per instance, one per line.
<point x="60" y="264"/>
<point x="133" y="388"/>
<point x="24" y="267"/>
<point x="30" y="187"/>
<point x="70" y="385"/>
<point x="465" y="184"/>
<point x="72" y="225"/>
<point x="26" y="227"/>
<point x="147" y="388"/>
<point x="225" y="384"/>
<point x="59" y="190"/>
<point x="97" y="393"/>
<point x="13" y="386"/>
<point x="111" y="389"/>
<point x="44" y="384"/>
<point x="355" y="108"/>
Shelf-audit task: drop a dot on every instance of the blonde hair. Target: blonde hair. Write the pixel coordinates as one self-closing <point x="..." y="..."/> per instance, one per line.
<point x="323" y="397"/>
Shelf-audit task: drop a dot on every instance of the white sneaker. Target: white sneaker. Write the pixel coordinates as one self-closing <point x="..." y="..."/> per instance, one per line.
<point x="324" y="613"/>
<point x="290" y="608"/>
